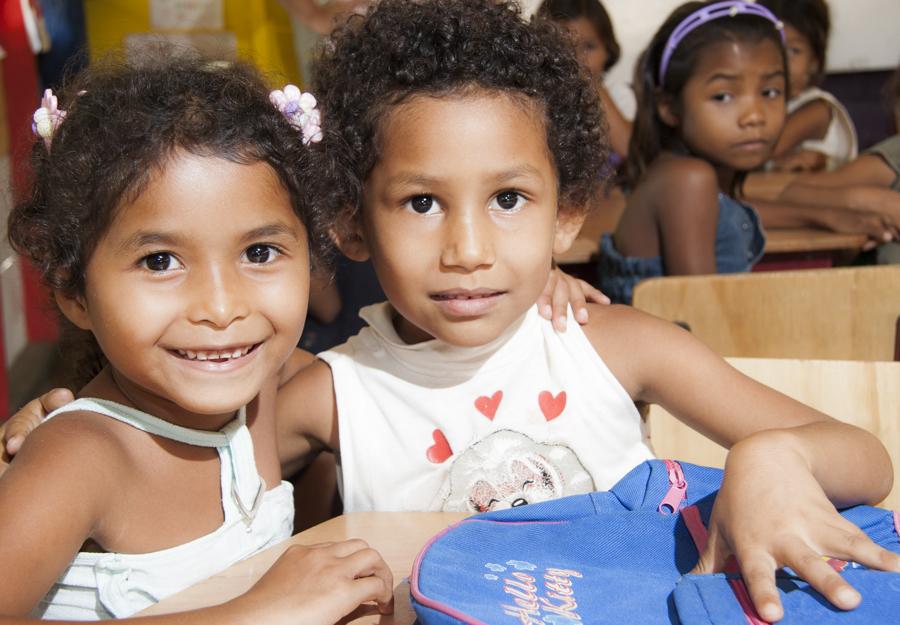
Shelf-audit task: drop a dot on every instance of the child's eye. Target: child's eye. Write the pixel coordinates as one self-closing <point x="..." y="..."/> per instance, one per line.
<point x="160" y="261"/>
<point x="261" y="254"/>
<point x="722" y="97"/>
<point x="508" y="200"/>
<point x="422" y="204"/>
<point x="772" y="93"/>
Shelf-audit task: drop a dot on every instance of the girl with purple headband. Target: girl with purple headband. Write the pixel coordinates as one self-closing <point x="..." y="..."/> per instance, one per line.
<point x="711" y="106"/>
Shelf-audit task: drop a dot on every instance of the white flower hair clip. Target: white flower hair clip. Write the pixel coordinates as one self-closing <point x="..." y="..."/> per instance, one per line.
<point x="299" y="108"/>
<point x="47" y="118"/>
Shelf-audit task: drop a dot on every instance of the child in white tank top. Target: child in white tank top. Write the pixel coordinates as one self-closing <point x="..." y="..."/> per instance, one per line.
<point x="469" y="142"/>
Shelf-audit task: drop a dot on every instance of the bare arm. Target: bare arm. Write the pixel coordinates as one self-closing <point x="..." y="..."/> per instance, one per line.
<point x="306" y="416"/>
<point x="878" y="226"/>
<point x="810" y="121"/>
<point x="687" y="212"/>
<point x="54" y="496"/>
<point x="787" y="467"/>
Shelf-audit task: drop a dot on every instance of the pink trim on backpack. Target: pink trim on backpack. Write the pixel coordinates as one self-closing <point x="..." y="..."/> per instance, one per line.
<point x="443" y="607"/>
<point x="694" y="524"/>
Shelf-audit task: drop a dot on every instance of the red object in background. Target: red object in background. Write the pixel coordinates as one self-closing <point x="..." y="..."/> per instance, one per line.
<point x="20" y="84"/>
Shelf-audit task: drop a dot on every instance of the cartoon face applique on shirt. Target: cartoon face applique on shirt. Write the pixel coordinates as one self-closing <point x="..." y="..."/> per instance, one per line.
<point x="508" y="469"/>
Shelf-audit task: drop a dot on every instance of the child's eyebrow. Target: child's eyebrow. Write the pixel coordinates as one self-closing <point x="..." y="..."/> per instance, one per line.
<point x="149" y="238"/>
<point x="736" y="77"/>
<point x="144" y="238"/>
<point x="499" y="177"/>
<point x="270" y="230"/>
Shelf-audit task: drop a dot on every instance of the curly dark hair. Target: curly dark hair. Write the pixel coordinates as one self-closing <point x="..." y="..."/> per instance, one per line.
<point x="407" y="48"/>
<point x="649" y="135"/>
<point x="124" y="121"/>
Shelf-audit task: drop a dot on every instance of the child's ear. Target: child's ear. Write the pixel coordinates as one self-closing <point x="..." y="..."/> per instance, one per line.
<point x="568" y="225"/>
<point x="348" y="235"/>
<point x="74" y="308"/>
<point x="665" y="108"/>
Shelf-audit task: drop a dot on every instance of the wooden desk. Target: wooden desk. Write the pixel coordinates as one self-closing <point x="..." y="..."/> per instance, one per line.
<point x="822" y="244"/>
<point x="808" y="248"/>
<point x="398" y="536"/>
<point x="811" y="240"/>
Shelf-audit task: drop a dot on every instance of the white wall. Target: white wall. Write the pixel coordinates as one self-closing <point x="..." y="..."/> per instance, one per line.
<point x="865" y="33"/>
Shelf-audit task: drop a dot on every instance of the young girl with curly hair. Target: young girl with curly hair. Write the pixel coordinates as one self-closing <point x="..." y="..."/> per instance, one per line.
<point x="467" y="143"/>
<point x="170" y="217"/>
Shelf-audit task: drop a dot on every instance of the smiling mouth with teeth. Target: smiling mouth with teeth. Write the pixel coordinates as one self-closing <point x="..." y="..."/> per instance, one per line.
<point x="215" y="356"/>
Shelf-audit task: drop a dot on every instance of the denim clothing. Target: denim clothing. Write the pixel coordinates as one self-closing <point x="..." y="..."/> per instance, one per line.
<point x="739" y="245"/>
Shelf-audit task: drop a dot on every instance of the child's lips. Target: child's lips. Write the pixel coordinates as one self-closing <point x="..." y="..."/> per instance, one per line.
<point x="467" y="302"/>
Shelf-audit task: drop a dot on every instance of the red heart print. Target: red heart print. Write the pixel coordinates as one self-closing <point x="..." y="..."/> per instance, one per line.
<point x="488" y="405"/>
<point x="552" y="406"/>
<point x="440" y="451"/>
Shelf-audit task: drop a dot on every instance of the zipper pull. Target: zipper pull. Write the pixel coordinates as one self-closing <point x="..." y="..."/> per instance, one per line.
<point x="677" y="489"/>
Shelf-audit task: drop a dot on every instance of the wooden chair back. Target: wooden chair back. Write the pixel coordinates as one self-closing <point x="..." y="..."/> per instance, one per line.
<point x="866" y="394"/>
<point x="842" y="314"/>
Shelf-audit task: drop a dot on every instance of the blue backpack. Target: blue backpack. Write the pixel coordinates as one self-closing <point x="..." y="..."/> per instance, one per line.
<point x="622" y="557"/>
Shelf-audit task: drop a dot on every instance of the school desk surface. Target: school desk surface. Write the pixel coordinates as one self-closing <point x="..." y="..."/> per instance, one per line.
<point x="398" y="536"/>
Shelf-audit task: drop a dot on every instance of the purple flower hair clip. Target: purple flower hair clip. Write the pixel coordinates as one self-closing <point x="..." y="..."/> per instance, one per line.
<point x="47" y="118"/>
<point x="299" y="108"/>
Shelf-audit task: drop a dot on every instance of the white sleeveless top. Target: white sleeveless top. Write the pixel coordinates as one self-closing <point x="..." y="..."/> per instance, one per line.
<point x="534" y="415"/>
<point x="116" y="585"/>
<point x="839" y="144"/>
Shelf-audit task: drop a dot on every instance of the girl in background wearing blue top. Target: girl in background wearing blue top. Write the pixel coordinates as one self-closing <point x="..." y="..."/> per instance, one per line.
<point x="711" y="107"/>
<point x="169" y="216"/>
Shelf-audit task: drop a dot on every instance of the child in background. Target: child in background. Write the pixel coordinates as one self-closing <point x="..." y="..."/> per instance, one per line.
<point x="469" y="144"/>
<point x="819" y="133"/>
<point x="710" y="108"/>
<point x="170" y="218"/>
<point x="598" y="50"/>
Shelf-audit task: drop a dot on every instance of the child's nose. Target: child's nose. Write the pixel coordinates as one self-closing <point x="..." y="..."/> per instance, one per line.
<point x="754" y="114"/>
<point x="467" y="241"/>
<point x="217" y="297"/>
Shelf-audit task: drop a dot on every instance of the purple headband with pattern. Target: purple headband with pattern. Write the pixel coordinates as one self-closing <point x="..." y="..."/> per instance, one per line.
<point x="706" y="14"/>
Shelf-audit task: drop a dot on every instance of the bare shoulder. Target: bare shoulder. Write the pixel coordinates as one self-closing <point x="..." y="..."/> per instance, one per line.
<point x="306" y="404"/>
<point x="634" y="344"/>
<point x="678" y="182"/>
<point x="298" y="360"/>
<point x="81" y="445"/>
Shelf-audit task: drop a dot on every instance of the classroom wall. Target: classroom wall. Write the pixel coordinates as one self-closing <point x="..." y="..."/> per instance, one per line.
<point x="864" y="32"/>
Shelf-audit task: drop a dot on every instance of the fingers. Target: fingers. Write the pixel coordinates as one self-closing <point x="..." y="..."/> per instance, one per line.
<point x="853" y="544"/>
<point x="30" y="416"/>
<point x="375" y="580"/>
<point x="562" y="295"/>
<point x="544" y="308"/>
<point x="758" y="573"/>
<point x="592" y="294"/>
<point x="812" y="567"/>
